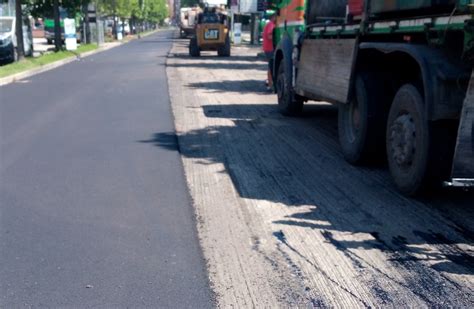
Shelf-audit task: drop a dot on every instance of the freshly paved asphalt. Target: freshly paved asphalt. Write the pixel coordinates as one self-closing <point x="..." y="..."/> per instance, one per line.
<point x="92" y="212"/>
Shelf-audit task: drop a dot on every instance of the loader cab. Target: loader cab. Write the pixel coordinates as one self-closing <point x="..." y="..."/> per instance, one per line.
<point x="212" y="16"/>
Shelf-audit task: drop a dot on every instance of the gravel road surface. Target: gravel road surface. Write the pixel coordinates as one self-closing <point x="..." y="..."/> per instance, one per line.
<point x="284" y="220"/>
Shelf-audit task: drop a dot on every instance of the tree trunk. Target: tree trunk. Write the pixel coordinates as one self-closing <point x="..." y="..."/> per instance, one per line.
<point x="87" y="35"/>
<point x="57" y="27"/>
<point x="114" y="31"/>
<point x="20" y="49"/>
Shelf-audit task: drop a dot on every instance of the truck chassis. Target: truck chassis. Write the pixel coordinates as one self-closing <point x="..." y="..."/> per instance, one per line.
<point x="403" y="87"/>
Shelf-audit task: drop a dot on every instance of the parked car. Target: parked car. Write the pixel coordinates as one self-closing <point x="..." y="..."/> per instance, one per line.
<point x="8" y="40"/>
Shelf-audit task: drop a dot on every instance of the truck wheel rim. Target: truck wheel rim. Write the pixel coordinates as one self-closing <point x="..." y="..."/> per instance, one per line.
<point x="403" y="140"/>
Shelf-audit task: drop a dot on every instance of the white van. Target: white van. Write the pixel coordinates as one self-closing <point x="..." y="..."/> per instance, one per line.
<point x="8" y="42"/>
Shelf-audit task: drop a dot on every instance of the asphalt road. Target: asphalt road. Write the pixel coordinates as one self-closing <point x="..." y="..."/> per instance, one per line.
<point x="92" y="213"/>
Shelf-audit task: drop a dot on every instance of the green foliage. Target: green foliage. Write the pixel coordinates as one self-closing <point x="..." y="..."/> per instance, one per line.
<point x="44" y="8"/>
<point x="157" y="11"/>
<point x="189" y="3"/>
<point x="153" y="11"/>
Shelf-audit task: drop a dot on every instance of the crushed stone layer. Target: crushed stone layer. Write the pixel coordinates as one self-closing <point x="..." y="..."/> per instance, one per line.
<point x="284" y="221"/>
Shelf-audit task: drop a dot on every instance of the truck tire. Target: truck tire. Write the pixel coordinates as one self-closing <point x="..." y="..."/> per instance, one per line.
<point x="289" y="103"/>
<point x="362" y="121"/>
<point x="194" y="48"/>
<point x="408" y="140"/>
<point x="224" y="51"/>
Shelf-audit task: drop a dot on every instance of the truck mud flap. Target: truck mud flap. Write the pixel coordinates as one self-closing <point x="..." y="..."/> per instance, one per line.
<point x="463" y="163"/>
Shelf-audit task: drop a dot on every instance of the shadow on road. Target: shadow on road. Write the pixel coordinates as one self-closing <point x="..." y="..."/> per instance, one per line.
<point x="161" y="40"/>
<point x="210" y="60"/>
<point x="222" y="65"/>
<point x="239" y="86"/>
<point x="297" y="162"/>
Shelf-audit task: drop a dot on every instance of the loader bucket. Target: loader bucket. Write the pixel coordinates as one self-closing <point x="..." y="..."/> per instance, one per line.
<point x="463" y="163"/>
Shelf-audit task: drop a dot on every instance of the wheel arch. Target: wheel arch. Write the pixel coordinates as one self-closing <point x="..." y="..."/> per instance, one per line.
<point x="441" y="78"/>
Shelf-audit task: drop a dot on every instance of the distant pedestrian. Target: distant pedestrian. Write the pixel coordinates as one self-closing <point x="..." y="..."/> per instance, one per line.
<point x="268" y="48"/>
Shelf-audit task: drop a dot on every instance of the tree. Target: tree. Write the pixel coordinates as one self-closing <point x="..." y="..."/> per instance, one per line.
<point x="157" y="11"/>
<point x="109" y="7"/>
<point x="124" y="11"/>
<point x="44" y="8"/>
<point x="85" y="12"/>
<point x="20" y="49"/>
<point x="57" y="27"/>
<point x="189" y="3"/>
<point x="139" y="12"/>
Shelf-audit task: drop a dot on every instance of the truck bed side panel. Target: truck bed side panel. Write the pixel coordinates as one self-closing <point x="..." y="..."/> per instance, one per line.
<point x="324" y="69"/>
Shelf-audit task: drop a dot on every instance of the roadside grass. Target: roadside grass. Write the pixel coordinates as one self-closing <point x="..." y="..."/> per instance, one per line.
<point x="31" y="63"/>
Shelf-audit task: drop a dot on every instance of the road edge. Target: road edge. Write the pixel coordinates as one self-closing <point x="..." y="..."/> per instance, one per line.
<point x="19" y="76"/>
<point x="192" y="202"/>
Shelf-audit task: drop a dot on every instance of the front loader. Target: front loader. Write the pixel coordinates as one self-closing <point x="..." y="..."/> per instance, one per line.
<point x="211" y="34"/>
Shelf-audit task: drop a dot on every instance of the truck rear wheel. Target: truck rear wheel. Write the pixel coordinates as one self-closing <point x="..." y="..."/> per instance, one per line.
<point x="289" y="103"/>
<point x="194" y="48"/>
<point x="408" y="140"/>
<point x="361" y="122"/>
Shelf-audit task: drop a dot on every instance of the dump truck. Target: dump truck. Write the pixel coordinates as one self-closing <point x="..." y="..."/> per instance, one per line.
<point x="188" y="20"/>
<point x="401" y="73"/>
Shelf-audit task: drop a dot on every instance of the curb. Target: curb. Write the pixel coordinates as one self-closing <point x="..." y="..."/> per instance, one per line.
<point x="18" y="76"/>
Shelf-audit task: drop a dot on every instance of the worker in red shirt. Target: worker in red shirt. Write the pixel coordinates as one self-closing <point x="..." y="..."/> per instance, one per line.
<point x="268" y="48"/>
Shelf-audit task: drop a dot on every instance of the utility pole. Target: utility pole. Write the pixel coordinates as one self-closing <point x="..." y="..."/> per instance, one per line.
<point x="20" y="49"/>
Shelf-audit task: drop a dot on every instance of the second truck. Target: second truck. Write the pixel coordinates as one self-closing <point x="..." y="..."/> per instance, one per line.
<point x="401" y="73"/>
